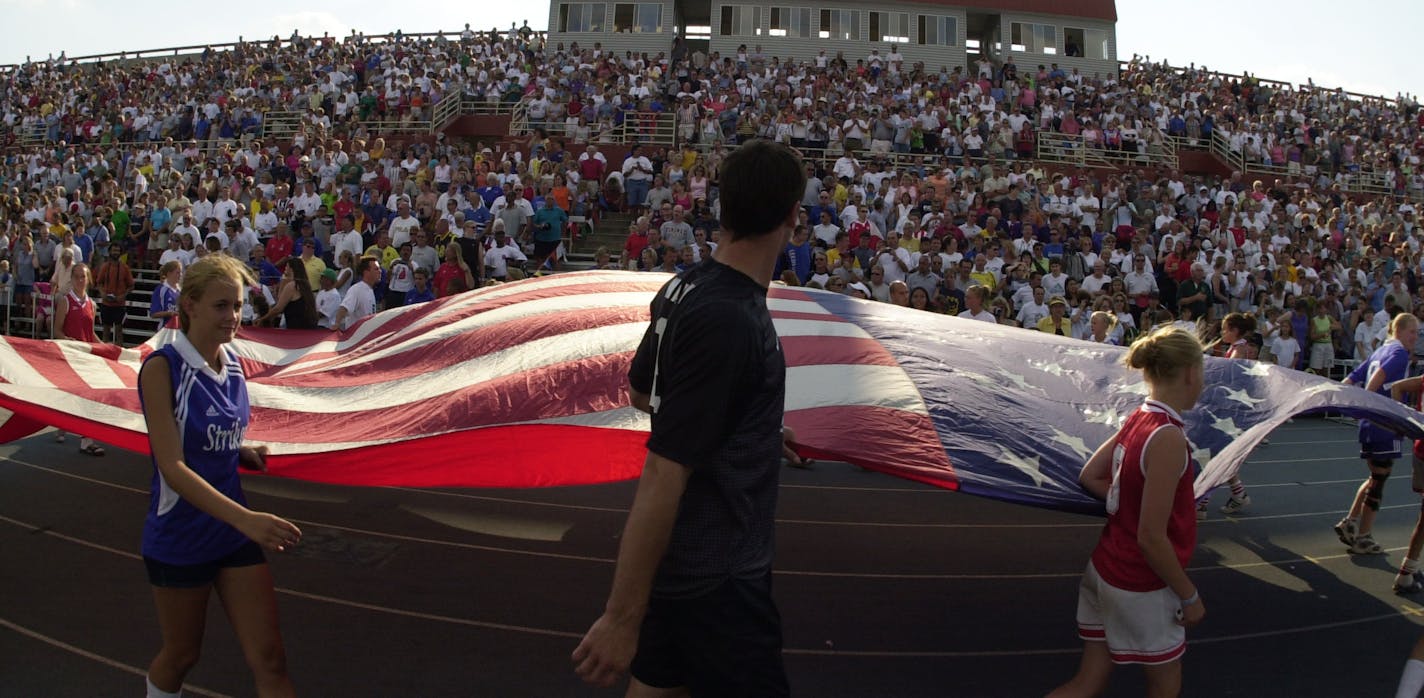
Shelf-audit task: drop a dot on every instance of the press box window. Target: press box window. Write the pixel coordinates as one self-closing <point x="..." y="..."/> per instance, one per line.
<point x="792" y="22"/>
<point x="840" y="24"/>
<point x="581" y="17"/>
<point x="638" y="18"/>
<point x="739" y="20"/>
<point x="1033" y="38"/>
<point x="938" y="31"/>
<point x="1085" y="43"/>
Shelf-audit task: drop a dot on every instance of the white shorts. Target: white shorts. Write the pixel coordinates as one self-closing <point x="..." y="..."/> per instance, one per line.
<point x="1140" y="627"/>
<point x="1322" y="356"/>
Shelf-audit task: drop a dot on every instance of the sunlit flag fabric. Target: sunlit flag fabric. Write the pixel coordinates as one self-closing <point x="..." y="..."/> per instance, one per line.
<point x="524" y="385"/>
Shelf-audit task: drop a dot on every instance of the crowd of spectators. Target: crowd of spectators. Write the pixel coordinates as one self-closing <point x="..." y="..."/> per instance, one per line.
<point x="342" y="86"/>
<point x="921" y="191"/>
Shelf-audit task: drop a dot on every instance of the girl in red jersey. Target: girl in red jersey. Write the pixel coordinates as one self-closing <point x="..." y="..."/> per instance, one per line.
<point x="1136" y="601"/>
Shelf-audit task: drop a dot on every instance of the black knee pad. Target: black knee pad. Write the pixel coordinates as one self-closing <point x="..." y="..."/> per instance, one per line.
<point x="1375" y="493"/>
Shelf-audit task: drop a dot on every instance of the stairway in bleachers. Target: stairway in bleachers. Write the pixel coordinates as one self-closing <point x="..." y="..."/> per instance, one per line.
<point x="611" y="232"/>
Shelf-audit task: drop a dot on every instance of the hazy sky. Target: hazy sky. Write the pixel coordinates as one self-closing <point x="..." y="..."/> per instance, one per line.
<point x="1369" y="51"/>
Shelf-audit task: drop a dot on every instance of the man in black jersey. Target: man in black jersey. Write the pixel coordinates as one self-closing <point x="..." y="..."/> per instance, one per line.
<point x="691" y="592"/>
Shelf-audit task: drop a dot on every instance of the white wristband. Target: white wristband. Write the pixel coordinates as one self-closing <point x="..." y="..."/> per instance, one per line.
<point x="1194" y="598"/>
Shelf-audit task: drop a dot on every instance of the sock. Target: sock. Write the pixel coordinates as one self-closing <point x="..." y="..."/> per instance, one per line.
<point x="1406" y="572"/>
<point x="1238" y="488"/>
<point x="156" y="692"/>
<point x="1412" y="681"/>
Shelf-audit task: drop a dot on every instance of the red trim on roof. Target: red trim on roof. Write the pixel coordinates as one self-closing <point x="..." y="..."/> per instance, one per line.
<point x="1092" y="9"/>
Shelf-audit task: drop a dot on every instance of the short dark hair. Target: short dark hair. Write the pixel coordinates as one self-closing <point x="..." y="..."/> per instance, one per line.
<point x="762" y="182"/>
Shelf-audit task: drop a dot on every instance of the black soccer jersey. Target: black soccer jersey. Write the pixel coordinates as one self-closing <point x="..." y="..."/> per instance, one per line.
<point x="713" y="365"/>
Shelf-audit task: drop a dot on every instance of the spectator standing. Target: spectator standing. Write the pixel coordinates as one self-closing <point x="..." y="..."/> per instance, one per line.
<point x="115" y="281"/>
<point x="400" y="278"/>
<point x="328" y="300"/>
<point x="549" y="223"/>
<point x="637" y="177"/>
<point x="420" y="291"/>
<point x="360" y="300"/>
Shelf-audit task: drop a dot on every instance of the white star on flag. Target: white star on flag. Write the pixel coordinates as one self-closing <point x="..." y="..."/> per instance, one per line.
<point x="1028" y="466"/>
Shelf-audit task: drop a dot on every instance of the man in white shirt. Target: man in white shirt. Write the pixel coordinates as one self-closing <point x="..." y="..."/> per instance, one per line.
<point x="501" y="253"/>
<point x="1055" y="282"/>
<point x="308" y="202"/>
<point x="360" y="300"/>
<point x="403" y="225"/>
<point x="894" y="259"/>
<point x="345" y="238"/>
<point x="243" y="239"/>
<point x="225" y="210"/>
<point x="1033" y="311"/>
<point x="1089" y="206"/>
<point x="825" y="230"/>
<point x="1098" y="280"/>
<point x="637" y="177"/>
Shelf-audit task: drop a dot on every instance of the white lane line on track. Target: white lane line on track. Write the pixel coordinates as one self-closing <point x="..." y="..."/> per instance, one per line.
<point x="787" y="572"/>
<point x="188" y="688"/>
<point x="806" y="522"/>
<point x="950" y="654"/>
<point x="794" y="651"/>
<point x="1337" y="459"/>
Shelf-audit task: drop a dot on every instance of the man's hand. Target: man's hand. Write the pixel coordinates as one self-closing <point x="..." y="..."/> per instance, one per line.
<point x="607" y="649"/>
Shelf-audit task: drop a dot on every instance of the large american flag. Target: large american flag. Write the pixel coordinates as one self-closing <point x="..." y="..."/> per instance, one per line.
<point x="524" y="385"/>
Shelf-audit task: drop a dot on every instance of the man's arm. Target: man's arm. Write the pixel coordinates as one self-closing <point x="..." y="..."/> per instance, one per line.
<point x="607" y="649"/>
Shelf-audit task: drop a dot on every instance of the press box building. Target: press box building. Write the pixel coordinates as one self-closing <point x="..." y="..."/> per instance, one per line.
<point x="1072" y="33"/>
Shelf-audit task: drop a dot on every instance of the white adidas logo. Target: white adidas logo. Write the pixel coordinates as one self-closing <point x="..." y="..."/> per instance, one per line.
<point x="212" y="411"/>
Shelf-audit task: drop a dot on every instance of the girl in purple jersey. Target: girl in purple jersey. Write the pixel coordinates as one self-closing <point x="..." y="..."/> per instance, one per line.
<point x="199" y="535"/>
<point x="1379" y="447"/>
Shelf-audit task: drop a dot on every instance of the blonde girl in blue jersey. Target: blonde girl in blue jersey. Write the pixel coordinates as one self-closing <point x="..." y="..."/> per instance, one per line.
<point x="200" y="536"/>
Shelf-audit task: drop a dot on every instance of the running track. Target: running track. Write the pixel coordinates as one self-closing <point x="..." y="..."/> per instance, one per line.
<point x="887" y="587"/>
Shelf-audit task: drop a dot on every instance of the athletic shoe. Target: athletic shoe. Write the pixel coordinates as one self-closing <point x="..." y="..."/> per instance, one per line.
<point x="1365" y="545"/>
<point x="1234" y="505"/>
<point x="1347" y="529"/>
<point x="1201" y="510"/>
<point x="1413" y="586"/>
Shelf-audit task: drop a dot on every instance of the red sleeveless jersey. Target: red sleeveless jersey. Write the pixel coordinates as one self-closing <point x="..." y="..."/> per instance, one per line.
<point x="79" y="320"/>
<point x="1118" y="558"/>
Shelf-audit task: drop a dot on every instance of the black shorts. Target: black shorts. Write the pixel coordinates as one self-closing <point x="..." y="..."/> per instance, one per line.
<point x="543" y="249"/>
<point x="162" y="574"/>
<point x="112" y="315"/>
<point x="724" y="643"/>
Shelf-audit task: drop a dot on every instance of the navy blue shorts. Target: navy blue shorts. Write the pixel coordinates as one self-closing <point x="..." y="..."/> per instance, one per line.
<point x="162" y="574"/>
<point x="1378" y="444"/>
<point x="724" y="643"/>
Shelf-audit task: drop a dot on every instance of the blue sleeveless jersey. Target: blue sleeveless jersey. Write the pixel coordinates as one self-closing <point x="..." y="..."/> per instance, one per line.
<point x="1392" y="359"/>
<point x="212" y="412"/>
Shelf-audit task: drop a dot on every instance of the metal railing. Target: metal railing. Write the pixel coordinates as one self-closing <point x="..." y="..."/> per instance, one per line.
<point x="446" y="110"/>
<point x="519" y="118"/>
<point x="1074" y="149"/>
<point x="646" y="128"/>
<point x="282" y="125"/>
